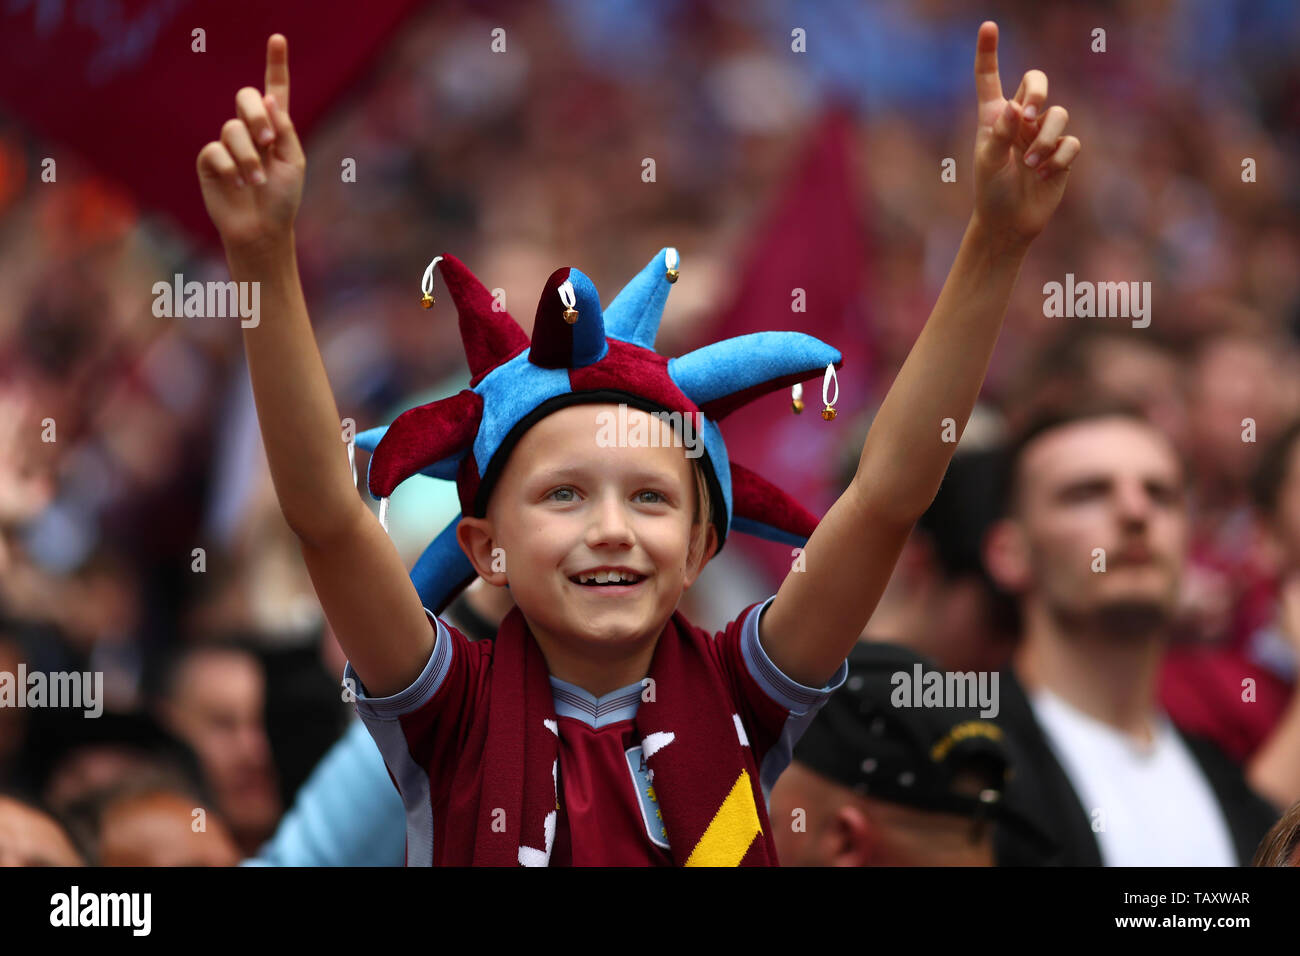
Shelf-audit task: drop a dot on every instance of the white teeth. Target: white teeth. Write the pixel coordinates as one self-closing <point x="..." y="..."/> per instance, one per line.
<point x="609" y="577"/>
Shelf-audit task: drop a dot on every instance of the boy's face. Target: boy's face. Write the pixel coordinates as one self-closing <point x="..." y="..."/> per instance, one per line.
<point x="564" y="506"/>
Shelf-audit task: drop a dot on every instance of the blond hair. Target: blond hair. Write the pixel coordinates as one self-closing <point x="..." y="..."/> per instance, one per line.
<point x="703" y="509"/>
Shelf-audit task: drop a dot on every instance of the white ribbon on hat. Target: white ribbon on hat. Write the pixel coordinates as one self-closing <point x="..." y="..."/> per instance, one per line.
<point x="827" y="379"/>
<point x="567" y="295"/>
<point x="426" y="283"/>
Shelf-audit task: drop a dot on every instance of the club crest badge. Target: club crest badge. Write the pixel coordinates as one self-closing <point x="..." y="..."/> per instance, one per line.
<point x="646" y="798"/>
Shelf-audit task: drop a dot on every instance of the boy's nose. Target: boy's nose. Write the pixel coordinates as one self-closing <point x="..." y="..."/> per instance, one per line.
<point x="609" y="523"/>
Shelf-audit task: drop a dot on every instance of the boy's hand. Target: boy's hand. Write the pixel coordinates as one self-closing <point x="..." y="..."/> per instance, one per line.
<point x="1014" y="199"/>
<point x="252" y="179"/>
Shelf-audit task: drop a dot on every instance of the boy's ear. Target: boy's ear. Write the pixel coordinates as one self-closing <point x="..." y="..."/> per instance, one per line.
<point x="474" y="535"/>
<point x="695" y="562"/>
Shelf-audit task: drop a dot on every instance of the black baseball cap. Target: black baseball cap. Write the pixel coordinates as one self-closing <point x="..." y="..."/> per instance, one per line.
<point x="939" y="759"/>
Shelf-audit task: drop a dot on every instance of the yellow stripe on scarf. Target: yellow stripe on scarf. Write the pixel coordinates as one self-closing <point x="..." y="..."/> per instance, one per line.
<point x="732" y="829"/>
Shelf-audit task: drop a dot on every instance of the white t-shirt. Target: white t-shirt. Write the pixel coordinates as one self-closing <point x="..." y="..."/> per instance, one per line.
<point x="1149" y="804"/>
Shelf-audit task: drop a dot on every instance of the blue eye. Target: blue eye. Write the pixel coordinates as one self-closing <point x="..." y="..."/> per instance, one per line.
<point x="559" y="491"/>
<point x="659" y="497"/>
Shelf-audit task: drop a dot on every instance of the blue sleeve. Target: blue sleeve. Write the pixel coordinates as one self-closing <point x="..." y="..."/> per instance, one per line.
<point x="802" y="703"/>
<point x="348" y="813"/>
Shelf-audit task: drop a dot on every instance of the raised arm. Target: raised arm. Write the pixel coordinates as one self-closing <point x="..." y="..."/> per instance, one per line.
<point x="252" y="186"/>
<point x="1022" y="160"/>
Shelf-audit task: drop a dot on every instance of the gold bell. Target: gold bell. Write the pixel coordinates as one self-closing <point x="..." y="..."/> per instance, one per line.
<point x="828" y="413"/>
<point x="797" y="405"/>
<point x="570" y="315"/>
<point x="426" y="300"/>
<point x="671" y="275"/>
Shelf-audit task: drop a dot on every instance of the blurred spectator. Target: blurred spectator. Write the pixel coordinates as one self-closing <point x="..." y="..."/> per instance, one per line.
<point x="157" y="829"/>
<point x="1093" y="544"/>
<point x="31" y="837"/>
<point x="1244" y="695"/>
<point x="1137" y="366"/>
<point x="152" y="819"/>
<point x="1241" y="394"/>
<point x="213" y="698"/>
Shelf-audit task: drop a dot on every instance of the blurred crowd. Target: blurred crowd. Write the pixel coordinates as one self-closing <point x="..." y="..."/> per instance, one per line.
<point x="140" y="536"/>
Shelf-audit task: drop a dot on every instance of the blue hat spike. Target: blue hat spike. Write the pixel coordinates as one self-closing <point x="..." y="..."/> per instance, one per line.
<point x="722" y="375"/>
<point x="443" y="570"/>
<point x="636" y="311"/>
<point x="369" y="439"/>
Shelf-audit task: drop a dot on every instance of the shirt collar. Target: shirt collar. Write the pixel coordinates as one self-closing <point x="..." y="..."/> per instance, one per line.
<point x="580" y="704"/>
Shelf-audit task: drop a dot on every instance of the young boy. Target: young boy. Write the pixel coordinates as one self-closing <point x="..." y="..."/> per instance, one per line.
<point x="600" y="727"/>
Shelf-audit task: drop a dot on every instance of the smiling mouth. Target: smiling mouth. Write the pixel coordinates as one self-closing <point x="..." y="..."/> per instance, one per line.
<point x="615" y="582"/>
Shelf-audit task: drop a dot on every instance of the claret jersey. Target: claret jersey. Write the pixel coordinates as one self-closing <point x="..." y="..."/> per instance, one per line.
<point x="608" y="813"/>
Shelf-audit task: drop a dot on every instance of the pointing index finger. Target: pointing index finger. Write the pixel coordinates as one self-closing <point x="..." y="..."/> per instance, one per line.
<point x="277" y="69"/>
<point x="988" y="85"/>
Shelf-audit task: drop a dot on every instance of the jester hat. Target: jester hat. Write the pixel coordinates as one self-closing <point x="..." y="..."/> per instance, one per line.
<point x="581" y="354"/>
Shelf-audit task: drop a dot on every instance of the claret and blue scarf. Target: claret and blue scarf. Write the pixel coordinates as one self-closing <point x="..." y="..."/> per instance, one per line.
<point x="702" y="767"/>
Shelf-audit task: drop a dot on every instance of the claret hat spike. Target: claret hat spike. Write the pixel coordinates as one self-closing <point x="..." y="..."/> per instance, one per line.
<point x="420" y="438"/>
<point x="490" y="334"/>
